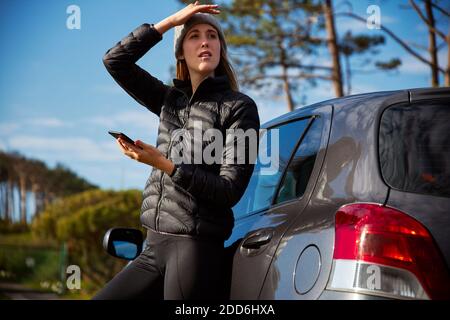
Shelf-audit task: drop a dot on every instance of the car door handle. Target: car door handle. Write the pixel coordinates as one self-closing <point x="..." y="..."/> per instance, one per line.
<point x="258" y="240"/>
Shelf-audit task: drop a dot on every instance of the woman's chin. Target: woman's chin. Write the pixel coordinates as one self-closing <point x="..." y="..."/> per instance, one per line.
<point x="206" y="68"/>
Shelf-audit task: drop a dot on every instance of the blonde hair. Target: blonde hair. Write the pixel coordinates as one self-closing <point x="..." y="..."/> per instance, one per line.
<point x="223" y="68"/>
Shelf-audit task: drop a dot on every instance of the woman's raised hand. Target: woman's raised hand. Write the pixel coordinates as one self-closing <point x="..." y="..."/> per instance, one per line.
<point x="184" y="14"/>
<point x="180" y="17"/>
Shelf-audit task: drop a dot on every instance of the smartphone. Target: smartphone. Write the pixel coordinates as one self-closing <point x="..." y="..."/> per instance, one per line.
<point x="117" y="134"/>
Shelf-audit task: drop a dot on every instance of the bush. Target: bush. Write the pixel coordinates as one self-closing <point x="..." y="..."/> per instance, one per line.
<point x="81" y="220"/>
<point x="7" y="227"/>
<point x="25" y="264"/>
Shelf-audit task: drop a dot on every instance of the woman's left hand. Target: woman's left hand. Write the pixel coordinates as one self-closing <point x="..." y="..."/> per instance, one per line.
<point x="148" y="154"/>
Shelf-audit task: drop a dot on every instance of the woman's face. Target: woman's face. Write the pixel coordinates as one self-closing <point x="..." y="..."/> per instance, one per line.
<point x="201" y="49"/>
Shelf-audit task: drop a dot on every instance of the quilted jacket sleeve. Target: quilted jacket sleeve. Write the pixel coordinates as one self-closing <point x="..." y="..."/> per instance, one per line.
<point x="227" y="188"/>
<point x="120" y="61"/>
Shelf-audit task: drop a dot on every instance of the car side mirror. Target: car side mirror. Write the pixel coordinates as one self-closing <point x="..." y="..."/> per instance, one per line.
<point x="123" y="243"/>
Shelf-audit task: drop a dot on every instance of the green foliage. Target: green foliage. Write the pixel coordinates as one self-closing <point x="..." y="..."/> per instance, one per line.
<point x="25" y="264"/>
<point x="60" y="181"/>
<point x="22" y="238"/>
<point x="81" y="221"/>
<point x="18" y="173"/>
<point x="8" y="227"/>
<point x="269" y="40"/>
<point x="28" y="261"/>
<point x="388" y="65"/>
<point x="66" y="181"/>
<point x="275" y="46"/>
<point x="359" y="44"/>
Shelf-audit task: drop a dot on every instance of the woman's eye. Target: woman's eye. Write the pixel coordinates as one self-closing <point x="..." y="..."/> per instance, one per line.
<point x="194" y="36"/>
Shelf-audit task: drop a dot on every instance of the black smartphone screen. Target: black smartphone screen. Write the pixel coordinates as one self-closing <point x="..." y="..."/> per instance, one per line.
<point x="117" y="134"/>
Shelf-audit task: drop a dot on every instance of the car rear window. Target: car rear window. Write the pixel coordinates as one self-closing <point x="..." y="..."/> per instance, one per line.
<point x="415" y="147"/>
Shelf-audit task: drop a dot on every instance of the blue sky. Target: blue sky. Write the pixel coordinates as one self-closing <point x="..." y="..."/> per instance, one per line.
<point x="57" y="101"/>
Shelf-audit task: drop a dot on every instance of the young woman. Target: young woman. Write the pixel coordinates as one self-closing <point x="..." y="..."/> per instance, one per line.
<point x="187" y="206"/>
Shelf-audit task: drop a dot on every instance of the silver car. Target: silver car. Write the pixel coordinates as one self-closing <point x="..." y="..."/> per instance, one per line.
<point x="358" y="206"/>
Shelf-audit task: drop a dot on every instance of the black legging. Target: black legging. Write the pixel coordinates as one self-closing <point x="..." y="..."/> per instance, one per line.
<point x="171" y="268"/>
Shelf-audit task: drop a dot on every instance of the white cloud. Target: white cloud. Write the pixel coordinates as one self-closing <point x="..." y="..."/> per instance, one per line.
<point x="358" y="87"/>
<point x="8" y="128"/>
<point x="323" y="60"/>
<point x="344" y="24"/>
<point x="412" y="65"/>
<point x="270" y="107"/>
<point x="143" y="119"/>
<point x="323" y="91"/>
<point x="47" y="122"/>
<point x="67" y="149"/>
<point x="123" y="174"/>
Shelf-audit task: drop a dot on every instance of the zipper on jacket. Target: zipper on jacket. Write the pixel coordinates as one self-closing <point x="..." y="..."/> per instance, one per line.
<point x="158" y="207"/>
<point x="161" y="181"/>
<point x="185" y="118"/>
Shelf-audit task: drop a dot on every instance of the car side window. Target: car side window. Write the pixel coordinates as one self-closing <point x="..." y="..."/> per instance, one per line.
<point x="414" y="147"/>
<point x="300" y="167"/>
<point x="278" y="142"/>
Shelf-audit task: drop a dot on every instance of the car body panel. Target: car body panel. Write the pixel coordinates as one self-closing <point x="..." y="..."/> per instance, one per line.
<point x="350" y="173"/>
<point x="420" y="94"/>
<point x="430" y="210"/>
<point x="246" y="279"/>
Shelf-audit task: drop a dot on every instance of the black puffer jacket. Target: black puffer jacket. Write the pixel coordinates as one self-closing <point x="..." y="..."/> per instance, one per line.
<point x="197" y="199"/>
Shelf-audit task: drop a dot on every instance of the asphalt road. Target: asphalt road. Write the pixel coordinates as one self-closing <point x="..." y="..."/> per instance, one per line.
<point x="15" y="291"/>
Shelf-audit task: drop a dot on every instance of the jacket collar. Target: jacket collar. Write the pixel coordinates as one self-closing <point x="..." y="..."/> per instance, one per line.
<point x="210" y="84"/>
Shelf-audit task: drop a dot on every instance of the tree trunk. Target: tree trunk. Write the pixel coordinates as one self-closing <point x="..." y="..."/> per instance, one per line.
<point x="2" y="201"/>
<point x="23" y="198"/>
<point x="333" y="48"/>
<point x="37" y="198"/>
<point x="287" y="90"/>
<point x="285" y="77"/>
<point x="48" y="198"/>
<point x="10" y="201"/>
<point x="348" y="74"/>
<point x="432" y="45"/>
<point x="5" y="199"/>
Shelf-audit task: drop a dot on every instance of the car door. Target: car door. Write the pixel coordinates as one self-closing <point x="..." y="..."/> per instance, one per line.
<point x="270" y="201"/>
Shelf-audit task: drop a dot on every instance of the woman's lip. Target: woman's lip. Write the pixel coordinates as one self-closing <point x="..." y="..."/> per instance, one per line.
<point x="205" y="53"/>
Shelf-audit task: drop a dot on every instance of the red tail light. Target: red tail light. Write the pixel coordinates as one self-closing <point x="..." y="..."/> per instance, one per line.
<point x="387" y="237"/>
